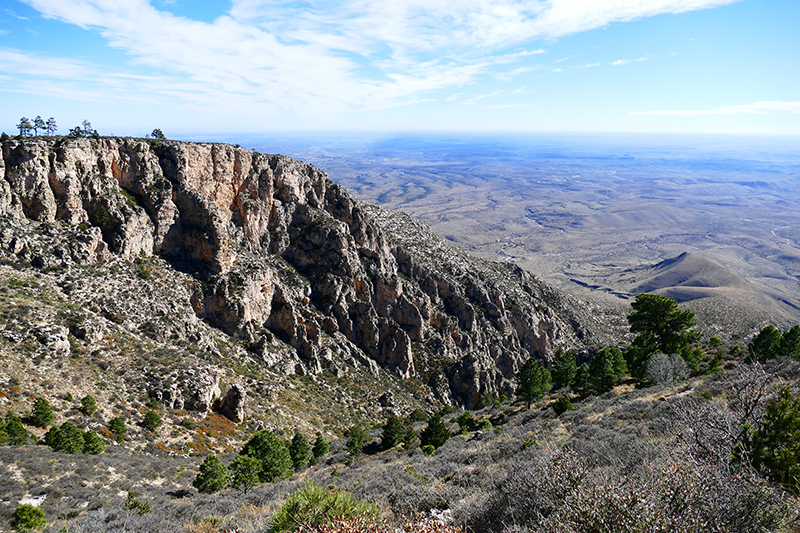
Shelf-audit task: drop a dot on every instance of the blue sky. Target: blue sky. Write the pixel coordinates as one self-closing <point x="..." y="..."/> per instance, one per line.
<point x="196" y="66"/>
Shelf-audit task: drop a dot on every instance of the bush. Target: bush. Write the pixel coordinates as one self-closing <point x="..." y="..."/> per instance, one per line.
<point x="300" y="451"/>
<point x="665" y="369"/>
<point x="311" y="505"/>
<point x="28" y="518"/>
<point x="67" y="438"/>
<point x="276" y="463"/>
<point x="151" y="421"/>
<point x="132" y="503"/>
<point x="213" y="476"/>
<point x="435" y="434"/>
<point x="356" y="439"/>
<point x="42" y="414"/>
<point x="88" y="405"/>
<point x="562" y="405"/>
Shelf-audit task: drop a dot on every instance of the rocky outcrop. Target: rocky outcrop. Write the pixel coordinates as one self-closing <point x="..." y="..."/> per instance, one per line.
<point x="233" y="403"/>
<point x="283" y="256"/>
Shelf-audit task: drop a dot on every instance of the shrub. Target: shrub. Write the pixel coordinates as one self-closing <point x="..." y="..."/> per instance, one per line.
<point x="213" y="476"/>
<point x="465" y="421"/>
<point x="665" y="369"/>
<point x="428" y="449"/>
<point x="276" y="463"/>
<point x="69" y="439"/>
<point x="435" y="434"/>
<point x="42" y="414"/>
<point x="244" y="472"/>
<point x="3" y="433"/>
<point x="392" y="432"/>
<point x="300" y="451"/>
<point x="151" y="421"/>
<point x="92" y="443"/>
<point x="132" y="503"/>
<point x="417" y="416"/>
<point x="15" y="430"/>
<point x="311" y="505"/>
<point x="117" y="426"/>
<point x="562" y="405"/>
<point x="88" y="405"/>
<point x="28" y="518"/>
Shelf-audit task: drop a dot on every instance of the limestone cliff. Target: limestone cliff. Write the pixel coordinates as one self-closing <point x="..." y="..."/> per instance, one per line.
<point x="284" y="256"/>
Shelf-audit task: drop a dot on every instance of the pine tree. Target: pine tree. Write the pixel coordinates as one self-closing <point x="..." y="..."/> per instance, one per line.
<point x="533" y="380"/>
<point x="320" y="448"/>
<point x="276" y="463"/>
<point x="51" y="126"/>
<point x="151" y="421"/>
<point x="118" y="428"/>
<point x="70" y="438"/>
<point x="565" y="367"/>
<point x="244" y="472"/>
<point x="300" y="451"/>
<point x="92" y="443"/>
<point x="16" y="432"/>
<point x="3" y="433"/>
<point x="42" y="414"/>
<point x="38" y="124"/>
<point x="392" y="432"/>
<point x="608" y="368"/>
<point x="583" y="377"/>
<point x="88" y="405"/>
<point x="435" y="433"/>
<point x="24" y="127"/>
<point x="356" y="439"/>
<point x="213" y="476"/>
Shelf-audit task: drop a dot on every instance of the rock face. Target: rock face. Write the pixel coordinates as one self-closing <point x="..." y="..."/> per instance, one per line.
<point x="233" y="403"/>
<point x="284" y="256"/>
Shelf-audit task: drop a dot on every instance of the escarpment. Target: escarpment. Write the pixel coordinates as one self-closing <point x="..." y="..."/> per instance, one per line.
<point x="284" y="256"/>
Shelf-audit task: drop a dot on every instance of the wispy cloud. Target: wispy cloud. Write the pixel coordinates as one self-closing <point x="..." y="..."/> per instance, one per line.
<point x="20" y="17"/>
<point x="628" y="61"/>
<point x="757" y="107"/>
<point x="338" y="55"/>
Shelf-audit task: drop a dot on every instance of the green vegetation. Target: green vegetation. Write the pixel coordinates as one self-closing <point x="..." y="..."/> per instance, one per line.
<point x="88" y="405"/>
<point x="533" y="380"/>
<point x="16" y="432"/>
<point x="320" y="448"/>
<point x="28" y="518"/>
<point x="773" y="446"/>
<point x="608" y="368"/>
<point x="134" y="504"/>
<point x="67" y="438"/>
<point x="311" y="505"/>
<point x="151" y="421"/>
<point x="213" y="476"/>
<point x="118" y="428"/>
<point x="92" y="443"/>
<point x="244" y="472"/>
<point x="393" y="431"/>
<point x="42" y="414"/>
<point x="357" y="438"/>
<point x="276" y="462"/>
<point x="565" y="368"/>
<point x="770" y="343"/>
<point x="435" y="433"/>
<point x="300" y="451"/>
<point x="562" y="405"/>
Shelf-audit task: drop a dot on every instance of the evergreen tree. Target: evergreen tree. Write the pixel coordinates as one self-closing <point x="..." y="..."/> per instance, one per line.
<point x="158" y="135"/>
<point x="320" y="448"/>
<point x="276" y="463"/>
<point x="3" y="433"/>
<point x="213" y="476"/>
<point x="766" y="345"/>
<point x="28" y="518"/>
<point x="661" y="327"/>
<point x="70" y="439"/>
<point x="583" y="377"/>
<point x="565" y="367"/>
<point x="533" y="380"/>
<point x="392" y="432"/>
<point x="300" y="451"/>
<point x="118" y="428"/>
<point x="608" y="368"/>
<point x="151" y="421"/>
<point x="92" y="443"/>
<point x="24" y="127"/>
<point x="435" y="433"/>
<point x="42" y="414"/>
<point x="356" y="439"/>
<point x="244" y="472"/>
<point x="51" y="126"/>
<point x="53" y="438"/>
<point x="16" y="432"/>
<point x="790" y="343"/>
<point x="38" y="124"/>
<point x="88" y="405"/>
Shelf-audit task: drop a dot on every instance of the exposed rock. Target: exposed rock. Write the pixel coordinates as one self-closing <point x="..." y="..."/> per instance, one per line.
<point x="233" y="403"/>
<point x="310" y="277"/>
<point x="55" y="338"/>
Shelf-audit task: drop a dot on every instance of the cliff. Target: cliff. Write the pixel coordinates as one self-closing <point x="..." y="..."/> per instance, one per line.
<point x="276" y="254"/>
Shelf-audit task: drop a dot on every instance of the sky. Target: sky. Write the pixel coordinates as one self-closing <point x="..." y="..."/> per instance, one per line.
<point x="259" y="66"/>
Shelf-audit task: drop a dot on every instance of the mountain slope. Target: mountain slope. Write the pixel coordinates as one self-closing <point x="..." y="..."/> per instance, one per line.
<point x="269" y="251"/>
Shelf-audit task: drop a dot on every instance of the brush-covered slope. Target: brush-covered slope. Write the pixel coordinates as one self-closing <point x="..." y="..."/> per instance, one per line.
<point x="205" y="249"/>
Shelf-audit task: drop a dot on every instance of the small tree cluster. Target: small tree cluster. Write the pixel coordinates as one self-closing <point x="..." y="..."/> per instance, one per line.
<point x="213" y="476"/>
<point x="272" y="453"/>
<point x="769" y="343"/>
<point x="69" y="439"/>
<point x="84" y="130"/>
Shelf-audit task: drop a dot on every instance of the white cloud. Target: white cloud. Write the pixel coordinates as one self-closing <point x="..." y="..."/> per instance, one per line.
<point x="325" y="56"/>
<point x="771" y="106"/>
<point x="628" y="61"/>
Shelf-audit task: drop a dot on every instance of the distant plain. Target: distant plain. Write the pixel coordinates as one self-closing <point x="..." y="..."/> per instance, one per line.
<point x="698" y="218"/>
